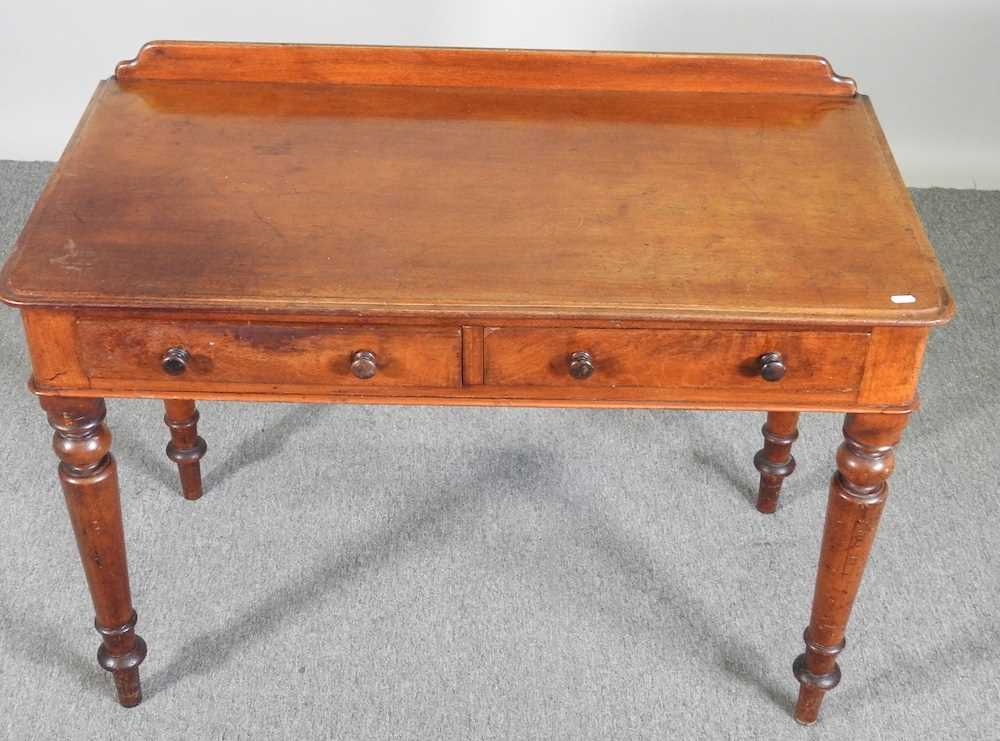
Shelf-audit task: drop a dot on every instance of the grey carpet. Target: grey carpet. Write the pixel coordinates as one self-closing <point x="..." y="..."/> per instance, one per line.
<point x="429" y="573"/>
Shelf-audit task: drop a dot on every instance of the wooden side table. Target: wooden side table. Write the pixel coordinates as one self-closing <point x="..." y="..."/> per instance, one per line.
<point x="469" y="226"/>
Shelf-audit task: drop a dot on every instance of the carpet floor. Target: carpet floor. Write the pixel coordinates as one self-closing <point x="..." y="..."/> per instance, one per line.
<point x="364" y="572"/>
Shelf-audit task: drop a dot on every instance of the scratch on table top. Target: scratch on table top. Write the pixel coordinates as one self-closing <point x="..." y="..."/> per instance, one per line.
<point x="70" y="252"/>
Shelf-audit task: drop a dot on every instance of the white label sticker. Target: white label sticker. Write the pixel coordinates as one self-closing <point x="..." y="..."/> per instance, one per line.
<point x="903" y="298"/>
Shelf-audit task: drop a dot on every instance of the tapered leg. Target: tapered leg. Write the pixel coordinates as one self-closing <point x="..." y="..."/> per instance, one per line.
<point x="857" y="496"/>
<point x="774" y="460"/>
<point x="185" y="447"/>
<point x="90" y="483"/>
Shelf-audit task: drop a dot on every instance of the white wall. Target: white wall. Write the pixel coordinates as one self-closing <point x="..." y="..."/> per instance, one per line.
<point x="930" y="68"/>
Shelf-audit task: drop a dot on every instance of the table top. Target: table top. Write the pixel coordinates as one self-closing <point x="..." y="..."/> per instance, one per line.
<point x="479" y="183"/>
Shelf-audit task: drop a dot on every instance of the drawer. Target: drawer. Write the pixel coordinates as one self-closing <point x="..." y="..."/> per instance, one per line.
<point x="284" y="354"/>
<point x="819" y="362"/>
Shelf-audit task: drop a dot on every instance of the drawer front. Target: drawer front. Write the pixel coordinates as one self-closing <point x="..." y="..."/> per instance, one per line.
<point x="270" y="354"/>
<point x="820" y="362"/>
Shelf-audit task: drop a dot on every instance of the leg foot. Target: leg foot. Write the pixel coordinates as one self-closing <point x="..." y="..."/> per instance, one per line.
<point x="857" y="497"/>
<point x="185" y="448"/>
<point x="774" y="460"/>
<point x="812" y="686"/>
<point x="124" y="666"/>
<point x="89" y="479"/>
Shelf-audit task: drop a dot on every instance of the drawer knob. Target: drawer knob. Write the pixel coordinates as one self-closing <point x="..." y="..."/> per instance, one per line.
<point x="175" y="361"/>
<point x="363" y="364"/>
<point x="772" y="366"/>
<point x="581" y="364"/>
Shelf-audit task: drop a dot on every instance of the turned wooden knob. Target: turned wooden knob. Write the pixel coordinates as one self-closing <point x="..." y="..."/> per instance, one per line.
<point x="175" y="361"/>
<point x="772" y="366"/>
<point x="581" y="364"/>
<point x="363" y="364"/>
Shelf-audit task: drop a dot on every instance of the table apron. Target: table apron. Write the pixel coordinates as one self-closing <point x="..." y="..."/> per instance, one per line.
<point x="112" y="354"/>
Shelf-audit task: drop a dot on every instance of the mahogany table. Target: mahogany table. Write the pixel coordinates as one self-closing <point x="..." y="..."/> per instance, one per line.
<point x="470" y="226"/>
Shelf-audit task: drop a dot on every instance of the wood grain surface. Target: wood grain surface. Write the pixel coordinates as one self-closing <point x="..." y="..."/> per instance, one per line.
<point x="486" y="202"/>
<point x="130" y="351"/>
<point x="495" y="68"/>
<point x="818" y="362"/>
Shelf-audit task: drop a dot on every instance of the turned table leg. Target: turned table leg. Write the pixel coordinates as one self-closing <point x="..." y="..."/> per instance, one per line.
<point x="774" y="460"/>
<point x="857" y="496"/>
<point x="90" y="483"/>
<point x="185" y="448"/>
